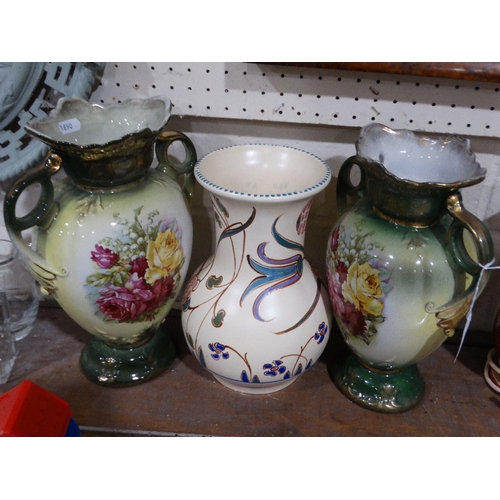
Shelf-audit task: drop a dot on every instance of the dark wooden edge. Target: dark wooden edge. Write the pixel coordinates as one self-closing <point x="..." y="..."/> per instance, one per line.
<point x="472" y="71"/>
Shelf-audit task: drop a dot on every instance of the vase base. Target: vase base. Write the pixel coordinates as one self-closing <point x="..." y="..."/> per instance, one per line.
<point x="254" y="388"/>
<point x="386" y="392"/>
<point x="112" y="367"/>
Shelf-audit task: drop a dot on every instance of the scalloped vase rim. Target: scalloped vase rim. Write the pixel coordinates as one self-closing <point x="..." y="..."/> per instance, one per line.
<point x="422" y="152"/>
<point x="46" y="129"/>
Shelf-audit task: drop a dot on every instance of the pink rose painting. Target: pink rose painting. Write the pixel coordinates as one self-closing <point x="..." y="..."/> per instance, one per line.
<point x="138" y="272"/>
<point x="357" y="284"/>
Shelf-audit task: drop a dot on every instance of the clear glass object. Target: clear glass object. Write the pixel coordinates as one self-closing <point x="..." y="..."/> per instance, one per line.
<point x="19" y="291"/>
<point x="7" y="340"/>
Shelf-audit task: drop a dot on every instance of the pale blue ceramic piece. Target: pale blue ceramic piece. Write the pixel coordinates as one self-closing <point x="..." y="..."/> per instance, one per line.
<point x="30" y="90"/>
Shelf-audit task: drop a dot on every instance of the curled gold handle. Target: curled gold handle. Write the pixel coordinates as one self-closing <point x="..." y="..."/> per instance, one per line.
<point x="465" y="221"/>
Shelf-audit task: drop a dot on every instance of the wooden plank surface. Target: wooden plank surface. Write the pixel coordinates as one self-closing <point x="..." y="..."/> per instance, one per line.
<point x="186" y="400"/>
<point x="472" y="71"/>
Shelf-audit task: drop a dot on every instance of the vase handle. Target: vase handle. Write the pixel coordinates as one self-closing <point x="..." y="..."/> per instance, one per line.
<point x="348" y="192"/>
<point x="464" y="220"/>
<point x="40" y="215"/>
<point x="164" y="140"/>
<point x="450" y="314"/>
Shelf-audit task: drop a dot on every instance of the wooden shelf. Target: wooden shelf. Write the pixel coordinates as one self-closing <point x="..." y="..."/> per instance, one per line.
<point x="186" y="400"/>
<point x="473" y="71"/>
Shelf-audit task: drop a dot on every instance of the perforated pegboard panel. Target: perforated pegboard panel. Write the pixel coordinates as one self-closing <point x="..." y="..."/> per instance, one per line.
<point x="283" y="94"/>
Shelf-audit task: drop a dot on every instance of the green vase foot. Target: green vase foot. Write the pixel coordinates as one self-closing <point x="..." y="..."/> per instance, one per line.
<point x="385" y="392"/>
<point x="112" y="367"/>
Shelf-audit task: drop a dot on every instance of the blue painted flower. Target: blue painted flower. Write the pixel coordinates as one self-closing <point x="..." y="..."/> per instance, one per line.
<point x="245" y="378"/>
<point x="322" y="331"/>
<point x="218" y="351"/>
<point x="274" y="368"/>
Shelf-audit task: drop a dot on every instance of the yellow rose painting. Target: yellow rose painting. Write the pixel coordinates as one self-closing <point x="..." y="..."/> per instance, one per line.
<point x="357" y="283"/>
<point x="363" y="288"/>
<point x="164" y="255"/>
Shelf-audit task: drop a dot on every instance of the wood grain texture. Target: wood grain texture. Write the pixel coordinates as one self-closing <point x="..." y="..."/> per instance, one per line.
<point x="472" y="71"/>
<point x="186" y="400"/>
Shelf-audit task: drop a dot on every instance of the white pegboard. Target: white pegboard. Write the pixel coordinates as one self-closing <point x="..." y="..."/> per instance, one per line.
<point x="284" y="94"/>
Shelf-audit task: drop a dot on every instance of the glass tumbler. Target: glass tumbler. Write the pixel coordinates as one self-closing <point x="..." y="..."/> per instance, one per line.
<point x="7" y="341"/>
<point x="19" y="291"/>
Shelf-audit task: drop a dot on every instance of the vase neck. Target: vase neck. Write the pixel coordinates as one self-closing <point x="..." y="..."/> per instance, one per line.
<point x="404" y="201"/>
<point x="107" y="170"/>
<point x="278" y="223"/>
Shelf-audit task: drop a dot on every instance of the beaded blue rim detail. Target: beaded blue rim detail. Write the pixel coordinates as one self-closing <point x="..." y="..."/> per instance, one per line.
<point x="309" y="191"/>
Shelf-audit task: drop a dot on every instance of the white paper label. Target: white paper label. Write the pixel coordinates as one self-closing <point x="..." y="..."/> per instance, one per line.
<point x="71" y="125"/>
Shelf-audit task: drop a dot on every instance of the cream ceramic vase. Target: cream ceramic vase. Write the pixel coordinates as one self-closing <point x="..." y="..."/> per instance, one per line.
<point x="254" y="313"/>
<point x="403" y="261"/>
<point x="111" y="240"/>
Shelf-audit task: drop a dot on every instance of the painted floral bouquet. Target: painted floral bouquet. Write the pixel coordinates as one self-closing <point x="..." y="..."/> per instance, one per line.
<point x="138" y="272"/>
<point x="357" y="283"/>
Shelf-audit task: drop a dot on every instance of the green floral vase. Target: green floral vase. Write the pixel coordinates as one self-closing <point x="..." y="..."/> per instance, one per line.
<point x="112" y="239"/>
<point x="403" y="261"/>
